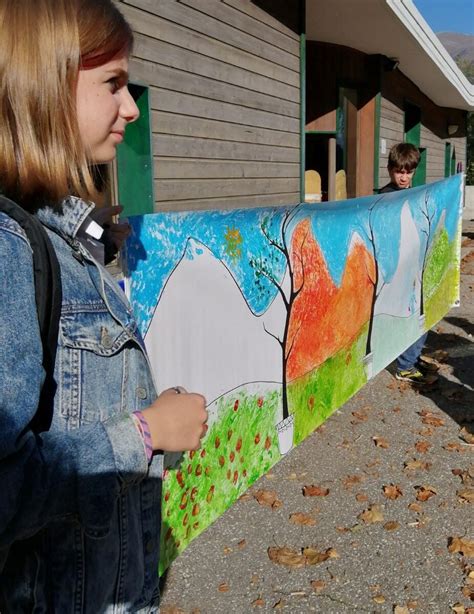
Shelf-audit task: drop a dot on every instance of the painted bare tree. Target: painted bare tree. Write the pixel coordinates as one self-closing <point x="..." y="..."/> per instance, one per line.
<point x="264" y="267"/>
<point x="373" y="275"/>
<point x="425" y="230"/>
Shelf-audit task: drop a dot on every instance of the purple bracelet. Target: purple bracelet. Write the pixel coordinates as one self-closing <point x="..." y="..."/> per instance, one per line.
<point x="146" y="434"/>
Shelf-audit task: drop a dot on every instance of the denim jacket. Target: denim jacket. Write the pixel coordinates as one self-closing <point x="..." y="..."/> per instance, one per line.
<point x="79" y="504"/>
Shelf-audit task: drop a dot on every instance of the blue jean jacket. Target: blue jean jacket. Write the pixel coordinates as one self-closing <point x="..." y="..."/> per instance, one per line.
<point x="79" y="505"/>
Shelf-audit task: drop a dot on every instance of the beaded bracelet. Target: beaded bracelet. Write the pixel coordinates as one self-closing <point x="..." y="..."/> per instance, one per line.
<point x="144" y="430"/>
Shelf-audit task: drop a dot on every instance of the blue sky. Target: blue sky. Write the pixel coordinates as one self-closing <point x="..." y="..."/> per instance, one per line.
<point x="448" y="15"/>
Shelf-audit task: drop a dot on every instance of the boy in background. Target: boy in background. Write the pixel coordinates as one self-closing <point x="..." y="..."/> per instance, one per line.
<point x="402" y="162"/>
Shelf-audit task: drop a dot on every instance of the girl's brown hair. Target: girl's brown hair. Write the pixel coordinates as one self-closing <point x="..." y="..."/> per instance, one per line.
<point x="43" y="45"/>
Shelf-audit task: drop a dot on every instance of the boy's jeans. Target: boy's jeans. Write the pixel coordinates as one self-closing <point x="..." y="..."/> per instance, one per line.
<point x="410" y="357"/>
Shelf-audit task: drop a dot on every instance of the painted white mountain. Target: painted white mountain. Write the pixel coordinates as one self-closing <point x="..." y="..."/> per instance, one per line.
<point x="203" y="335"/>
<point x="401" y="297"/>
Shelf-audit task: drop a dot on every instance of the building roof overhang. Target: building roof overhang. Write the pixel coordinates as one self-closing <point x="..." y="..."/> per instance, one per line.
<point x="396" y="29"/>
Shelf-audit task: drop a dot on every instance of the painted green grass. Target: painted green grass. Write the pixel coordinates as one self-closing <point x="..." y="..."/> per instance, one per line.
<point x="239" y="448"/>
<point x="242" y="445"/>
<point x="440" y="278"/>
<point x="314" y="397"/>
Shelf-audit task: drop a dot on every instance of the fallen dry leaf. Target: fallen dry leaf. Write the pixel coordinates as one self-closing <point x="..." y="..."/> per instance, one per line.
<point x="391" y="525"/>
<point x="313" y="556"/>
<point x="379" y="599"/>
<point x="241" y="544"/>
<point x="286" y="557"/>
<point x="428" y="417"/>
<point x="414" y="465"/>
<point x="350" y="480"/>
<point x="318" y="585"/>
<point x="400" y="609"/>
<point x="454" y="446"/>
<point x="258" y="603"/>
<point x="359" y="417"/>
<point x="361" y="497"/>
<point x="223" y="587"/>
<point x="315" y="491"/>
<point x="462" y="545"/>
<point x="415" y="507"/>
<point x="267" y="498"/>
<point x="295" y="559"/>
<point x="466" y="475"/>
<point x="302" y="519"/>
<point x="422" y="446"/>
<point x="425" y="492"/>
<point x="458" y="608"/>
<point x="412" y="605"/>
<point x="371" y="515"/>
<point x="440" y="355"/>
<point x="392" y="491"/>
<point x="380" y="442"/>
<point x="227" y="550"/>
<point x="467" y="494"/>
<point x="466" y="436"/>
<point x="455" y="393"/>
<point x="245" y="497"/>
<point x="279" y="605"/>
<point x="426" y="432"/>
<point x="468" y="591"/>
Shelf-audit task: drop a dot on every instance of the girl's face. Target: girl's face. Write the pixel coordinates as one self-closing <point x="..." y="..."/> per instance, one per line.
<point x="104" y="108"/>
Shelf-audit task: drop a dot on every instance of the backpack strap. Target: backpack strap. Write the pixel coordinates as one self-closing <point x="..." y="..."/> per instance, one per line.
<point x="48" y="295"/>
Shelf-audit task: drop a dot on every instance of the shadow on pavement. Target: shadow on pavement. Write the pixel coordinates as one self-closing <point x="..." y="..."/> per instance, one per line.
<point x="453" y="393"/>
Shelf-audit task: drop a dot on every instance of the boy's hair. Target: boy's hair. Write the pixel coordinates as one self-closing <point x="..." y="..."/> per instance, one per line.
<point x="403" y="156"/>
<point x="44" y="44"/>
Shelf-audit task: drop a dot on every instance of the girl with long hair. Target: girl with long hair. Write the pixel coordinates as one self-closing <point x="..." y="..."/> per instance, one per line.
<point x="79" y="502"/>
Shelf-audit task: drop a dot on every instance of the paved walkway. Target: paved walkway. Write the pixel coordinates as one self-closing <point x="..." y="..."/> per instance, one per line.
<point x="386" y="531"/>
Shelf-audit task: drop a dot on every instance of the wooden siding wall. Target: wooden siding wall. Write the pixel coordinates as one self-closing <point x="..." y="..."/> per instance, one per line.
<point x="224" y="81"/>
<point x="396" y="91"/>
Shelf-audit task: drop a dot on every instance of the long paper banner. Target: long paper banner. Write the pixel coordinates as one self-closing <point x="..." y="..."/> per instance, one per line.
<point x="278" y="316"/>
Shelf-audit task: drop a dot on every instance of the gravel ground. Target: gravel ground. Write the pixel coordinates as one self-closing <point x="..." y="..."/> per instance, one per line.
<point x="393" y="531"/>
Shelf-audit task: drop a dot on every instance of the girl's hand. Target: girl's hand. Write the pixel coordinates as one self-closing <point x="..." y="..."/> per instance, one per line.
<point x="176" y="421"/>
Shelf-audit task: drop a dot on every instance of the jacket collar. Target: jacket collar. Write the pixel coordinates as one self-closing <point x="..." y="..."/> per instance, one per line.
<point x="68" y="218"/>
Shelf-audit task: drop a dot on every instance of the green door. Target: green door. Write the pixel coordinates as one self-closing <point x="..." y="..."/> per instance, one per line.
<point x="419" y="178"/>
<point x="413" y="136"/>
<point x="134" y="160"/>
<point x="447" y="159"/>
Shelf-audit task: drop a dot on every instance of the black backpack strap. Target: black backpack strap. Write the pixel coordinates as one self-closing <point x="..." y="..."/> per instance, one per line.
<point x="48" y="294"/>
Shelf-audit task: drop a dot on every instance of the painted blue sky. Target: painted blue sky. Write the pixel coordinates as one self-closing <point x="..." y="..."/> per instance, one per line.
<point x="448" y="15"/>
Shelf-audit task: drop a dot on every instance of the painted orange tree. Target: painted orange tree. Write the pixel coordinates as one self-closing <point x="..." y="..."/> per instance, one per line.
<point x="326" y="317"/>
<point x="321" y="318"/>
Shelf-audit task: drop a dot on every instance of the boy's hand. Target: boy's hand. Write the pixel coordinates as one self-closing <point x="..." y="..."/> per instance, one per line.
<point x="176" y="421"/>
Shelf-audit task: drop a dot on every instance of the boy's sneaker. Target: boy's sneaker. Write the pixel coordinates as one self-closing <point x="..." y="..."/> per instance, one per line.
<point x="413" y="376"/>
<point x="427" y="367"/>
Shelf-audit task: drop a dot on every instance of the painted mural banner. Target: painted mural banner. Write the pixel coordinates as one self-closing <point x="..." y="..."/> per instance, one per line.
<point x="278" y="316"/>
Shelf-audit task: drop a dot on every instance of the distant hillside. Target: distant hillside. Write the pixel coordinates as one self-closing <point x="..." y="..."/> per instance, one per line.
<point x="459" y="46"/>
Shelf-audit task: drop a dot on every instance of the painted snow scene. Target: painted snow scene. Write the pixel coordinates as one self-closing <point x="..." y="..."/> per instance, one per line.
<point x="278" y="316"/>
